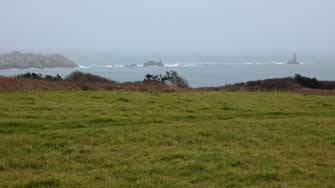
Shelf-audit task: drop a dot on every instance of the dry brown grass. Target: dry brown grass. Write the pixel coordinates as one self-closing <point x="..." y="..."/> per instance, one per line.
<point x="10" y="83"/>
<point x="280" y="84"/>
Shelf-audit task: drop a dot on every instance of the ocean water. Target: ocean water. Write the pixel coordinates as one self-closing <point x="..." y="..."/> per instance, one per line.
<point x="200" y="71"/>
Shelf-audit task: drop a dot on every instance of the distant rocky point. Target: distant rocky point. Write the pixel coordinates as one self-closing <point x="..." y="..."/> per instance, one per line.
<point x="18" y="60"/>
<point x="131" y="65"/>
<point x="153" y="64"/>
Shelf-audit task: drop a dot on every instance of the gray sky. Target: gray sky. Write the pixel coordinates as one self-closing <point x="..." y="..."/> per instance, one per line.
<point x="217" y="26"/>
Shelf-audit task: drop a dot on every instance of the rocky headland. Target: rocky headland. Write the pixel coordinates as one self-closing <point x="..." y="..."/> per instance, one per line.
<point x="18" y="60"/>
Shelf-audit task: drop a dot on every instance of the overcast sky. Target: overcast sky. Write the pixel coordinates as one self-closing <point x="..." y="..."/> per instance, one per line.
<point x="218" y="26"/>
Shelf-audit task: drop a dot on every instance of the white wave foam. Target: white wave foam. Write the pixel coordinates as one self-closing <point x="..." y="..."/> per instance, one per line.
<point x="83" y="67"/>
<point x="189" y="65"/>
<point x="251" y="63"/>
<point x="119" y="66"/>
<point x="171" y="65"/>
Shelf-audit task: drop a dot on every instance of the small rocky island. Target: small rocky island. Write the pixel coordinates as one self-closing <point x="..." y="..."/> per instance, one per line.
<point x="18" y="60"/>
<point x="153" y="64"/>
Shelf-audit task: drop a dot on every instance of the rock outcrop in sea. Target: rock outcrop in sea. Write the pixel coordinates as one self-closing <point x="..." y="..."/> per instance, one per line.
<point x="18" y="60"/>
<point x="153" y="64"/>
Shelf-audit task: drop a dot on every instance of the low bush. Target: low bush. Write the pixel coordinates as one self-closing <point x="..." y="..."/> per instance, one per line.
<point x="308" y="82"/>
<point x="37" y="76"/>
<point x="170" y="78"/>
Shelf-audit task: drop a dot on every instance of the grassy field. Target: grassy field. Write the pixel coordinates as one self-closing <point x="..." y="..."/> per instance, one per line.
<point x="189" y="139"/>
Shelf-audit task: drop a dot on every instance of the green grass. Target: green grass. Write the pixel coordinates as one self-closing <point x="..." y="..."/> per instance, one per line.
<point x="192" y="139"/>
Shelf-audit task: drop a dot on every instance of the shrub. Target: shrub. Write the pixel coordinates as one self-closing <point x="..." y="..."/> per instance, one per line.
<point x="308" y="82"/>
<point x="151" y="77"/>
<point x="170" y="78"/>
<point x="37" y="76"/>
<point x="174" y="78"/>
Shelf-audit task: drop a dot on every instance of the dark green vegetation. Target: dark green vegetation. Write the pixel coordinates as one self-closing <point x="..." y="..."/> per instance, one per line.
<point x="308" y="82"/>
<point x="186" y="139"/>
<point x="170" y="78"/>
<point x="73" y="77"/>
<point x="37" y="76"/>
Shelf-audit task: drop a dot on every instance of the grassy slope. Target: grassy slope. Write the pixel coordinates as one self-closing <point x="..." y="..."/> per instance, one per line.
<point x="191" y="139"/>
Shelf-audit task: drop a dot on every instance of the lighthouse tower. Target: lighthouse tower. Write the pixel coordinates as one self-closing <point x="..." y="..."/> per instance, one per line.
<point x="294" y="60"/>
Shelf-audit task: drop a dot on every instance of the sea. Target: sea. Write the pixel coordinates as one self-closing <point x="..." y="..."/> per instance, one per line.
<point x="198" y="70"/>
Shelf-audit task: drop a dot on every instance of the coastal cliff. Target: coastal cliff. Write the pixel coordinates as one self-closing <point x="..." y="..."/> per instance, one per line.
<point x="18" y="60"/>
